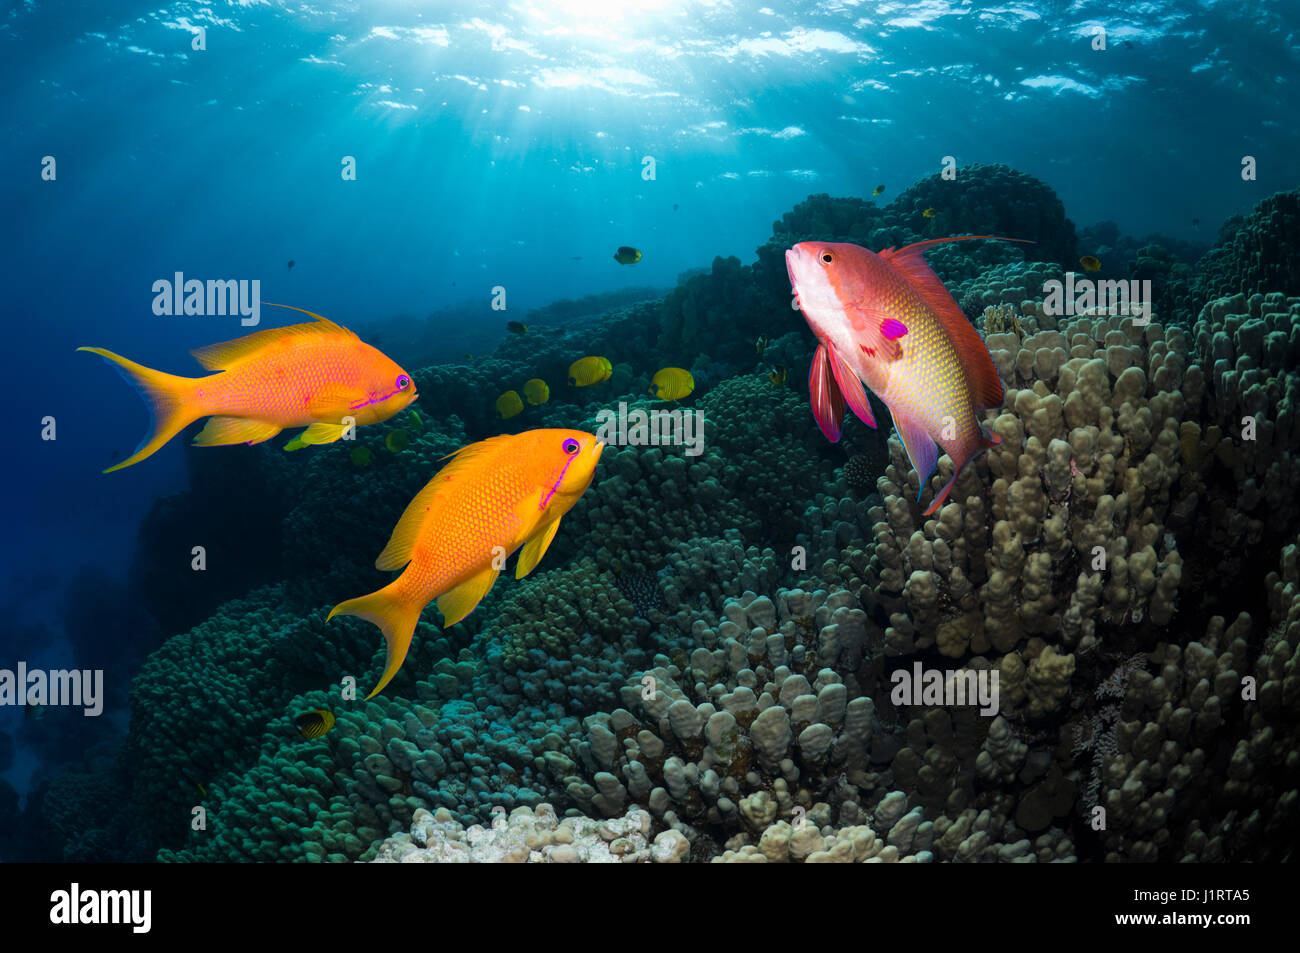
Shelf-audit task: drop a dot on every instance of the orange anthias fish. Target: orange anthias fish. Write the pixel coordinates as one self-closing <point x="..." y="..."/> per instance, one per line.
<point x="306" y="375"/>
<point x="886" y="320"/>
<point x="494" y="496"/>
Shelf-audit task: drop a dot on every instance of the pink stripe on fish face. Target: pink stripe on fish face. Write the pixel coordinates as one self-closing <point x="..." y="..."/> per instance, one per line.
<point x="556" y="488"/>
<point x="893" y="329"/>
<point x="372" y="400"/>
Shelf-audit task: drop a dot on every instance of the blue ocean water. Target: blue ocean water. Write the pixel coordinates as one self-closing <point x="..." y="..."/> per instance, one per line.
<point x="413" y="159"/>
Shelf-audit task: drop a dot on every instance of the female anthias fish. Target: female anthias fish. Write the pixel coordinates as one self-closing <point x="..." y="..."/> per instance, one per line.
<point x="886" y="320"/>
<point x="492" y="498"/>
<point x="317" y="375"/>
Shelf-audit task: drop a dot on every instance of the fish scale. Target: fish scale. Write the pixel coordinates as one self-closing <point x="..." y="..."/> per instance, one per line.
<point x="470" y="517"/>
<point x="930" y="384"/>
<point x="280" y="389"/>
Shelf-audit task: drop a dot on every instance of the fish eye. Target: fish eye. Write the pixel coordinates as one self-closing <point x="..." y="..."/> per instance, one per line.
<point x="403" y="382"/>
<point x="570" y="446"/>
<point x="827" y="257"/>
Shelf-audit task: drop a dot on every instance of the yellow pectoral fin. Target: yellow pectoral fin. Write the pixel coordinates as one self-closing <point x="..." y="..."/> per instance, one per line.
<point x="535" y="548"/>
<point x="317" y="434"/>
<point x="455" y="604"/>
<point x="223" y="431"/>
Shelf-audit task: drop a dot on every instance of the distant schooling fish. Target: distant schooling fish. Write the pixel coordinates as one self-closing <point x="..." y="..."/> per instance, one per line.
<point x="1090" y="263"/>
<point x="305" y="375"/>
<point x="928" y="213"/>
<point x="886" y="320"/>
<point x="627" y="255"/>
<point x="492" y="498"/>
<point x="877" y="190"/>
<point x="516" y="327"/>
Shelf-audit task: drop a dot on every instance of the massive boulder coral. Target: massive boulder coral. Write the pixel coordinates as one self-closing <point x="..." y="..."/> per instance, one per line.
<point x="1246" y="445"/>
<point x="227" y="678"/>
<point x="990" y="200"/>
<point x="1254" y="253"/>
<point x="1196" y="758"/>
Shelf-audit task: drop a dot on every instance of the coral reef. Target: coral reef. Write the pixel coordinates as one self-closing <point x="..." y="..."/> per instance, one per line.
<point x="1258" y="252"/>
<point x="989" y="200"/>
<point x="700" y="670"/>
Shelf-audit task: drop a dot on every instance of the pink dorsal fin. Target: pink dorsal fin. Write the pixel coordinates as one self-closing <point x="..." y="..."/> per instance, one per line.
<point x="910" y="262"/>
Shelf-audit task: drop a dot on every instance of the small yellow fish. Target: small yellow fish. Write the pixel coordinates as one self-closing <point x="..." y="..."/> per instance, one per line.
<point x="314" y="723"/>
<point x="627" y="255"/>
<point x="509" y="405"/>
<point x="536" y="391"/>
<point x="516" y="327"/>
<point x="361" y="456"/>
<point x="397" y="441"/>
<point x="776" y="378"/>
<point x="672" y="383"/>
<point x="928" y="213"/>
<point x="589" y="370"/>
<point x="469" y="358"/>
<point x="877" y="190"/>
<point x="761" y="344"/>
<point x="1090" y="263"/>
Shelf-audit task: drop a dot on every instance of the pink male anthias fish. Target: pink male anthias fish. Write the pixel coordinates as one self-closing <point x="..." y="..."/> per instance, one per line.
<point x="887" y="321"/>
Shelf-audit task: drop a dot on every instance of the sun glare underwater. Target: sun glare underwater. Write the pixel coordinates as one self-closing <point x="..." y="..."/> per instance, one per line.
<point x="657" y="432"/>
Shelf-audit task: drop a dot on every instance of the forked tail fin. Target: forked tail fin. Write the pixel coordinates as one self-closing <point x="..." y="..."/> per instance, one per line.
<point x="396" y="618"/>
<point x="166" y="395"/>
